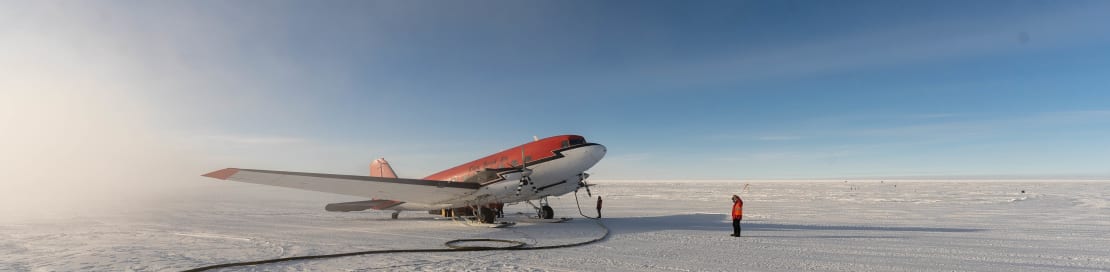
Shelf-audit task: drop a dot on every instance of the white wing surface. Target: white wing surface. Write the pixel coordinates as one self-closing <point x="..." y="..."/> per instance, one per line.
<point x="399" y="189"/>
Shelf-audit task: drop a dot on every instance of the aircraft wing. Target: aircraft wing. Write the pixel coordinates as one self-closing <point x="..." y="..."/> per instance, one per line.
<point x="406" y="190"/>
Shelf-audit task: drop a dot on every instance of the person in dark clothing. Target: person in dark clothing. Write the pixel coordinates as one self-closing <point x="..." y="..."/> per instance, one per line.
<point x="598" y="206"/>
<point x="737" y="214"/>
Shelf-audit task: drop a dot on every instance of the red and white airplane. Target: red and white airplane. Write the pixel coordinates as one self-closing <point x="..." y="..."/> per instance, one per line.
<point x="551" y="166"/>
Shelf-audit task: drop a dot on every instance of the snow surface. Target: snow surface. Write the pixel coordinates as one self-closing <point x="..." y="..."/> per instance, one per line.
<point x="656" y="226"/>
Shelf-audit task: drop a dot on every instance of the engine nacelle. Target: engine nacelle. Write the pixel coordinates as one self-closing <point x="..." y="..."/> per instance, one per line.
<point x="517" y="174"/>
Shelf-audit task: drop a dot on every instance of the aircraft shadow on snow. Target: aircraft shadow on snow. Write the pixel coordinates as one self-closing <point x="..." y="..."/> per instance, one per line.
<point x="719" y="223"/>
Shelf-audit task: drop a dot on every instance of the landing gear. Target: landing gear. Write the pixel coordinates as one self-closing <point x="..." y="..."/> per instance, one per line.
<point x="486" y="215"/>
<point x="546" y="212"/>
<point x="395" y="214"/>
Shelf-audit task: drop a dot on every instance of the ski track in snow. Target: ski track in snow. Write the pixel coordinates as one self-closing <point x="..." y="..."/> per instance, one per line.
<point x="656" y="226"/>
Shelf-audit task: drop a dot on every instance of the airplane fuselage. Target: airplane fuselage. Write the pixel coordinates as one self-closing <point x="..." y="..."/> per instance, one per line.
<point x="551" y="166"/>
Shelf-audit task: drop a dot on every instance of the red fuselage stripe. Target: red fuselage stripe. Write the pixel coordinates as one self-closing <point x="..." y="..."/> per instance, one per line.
<point x="537" y="150"/>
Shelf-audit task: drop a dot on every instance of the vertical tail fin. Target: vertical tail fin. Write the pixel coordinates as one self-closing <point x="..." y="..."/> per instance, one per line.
<point x="381" y="168"/>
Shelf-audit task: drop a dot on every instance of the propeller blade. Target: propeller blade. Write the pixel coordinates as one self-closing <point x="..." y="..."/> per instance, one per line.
<point x="582" y="183"/>
<point x="523" y="175"/>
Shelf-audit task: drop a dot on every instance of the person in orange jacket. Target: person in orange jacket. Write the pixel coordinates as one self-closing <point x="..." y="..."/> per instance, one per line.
<point x="737" y="214"/>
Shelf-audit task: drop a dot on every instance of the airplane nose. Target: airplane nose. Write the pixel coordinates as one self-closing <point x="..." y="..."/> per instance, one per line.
<point x="600" y="152"/>
<point x="589" y="156"/>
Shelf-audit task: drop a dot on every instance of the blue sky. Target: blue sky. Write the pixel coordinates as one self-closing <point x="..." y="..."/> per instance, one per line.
<point x="676" y="90"/>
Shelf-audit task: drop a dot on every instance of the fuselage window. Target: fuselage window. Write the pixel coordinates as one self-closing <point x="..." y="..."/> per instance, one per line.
<point x="513" y="163"/>
<point x="527" y="159"/>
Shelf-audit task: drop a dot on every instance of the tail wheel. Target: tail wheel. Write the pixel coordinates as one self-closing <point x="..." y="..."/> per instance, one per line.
<point x="546" y="212"/>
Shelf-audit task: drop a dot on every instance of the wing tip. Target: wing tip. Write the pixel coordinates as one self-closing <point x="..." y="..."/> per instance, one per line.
<point x="222" y="173"/>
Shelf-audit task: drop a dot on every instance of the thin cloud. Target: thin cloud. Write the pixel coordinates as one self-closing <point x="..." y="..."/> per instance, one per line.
<point x="1067" y="117"/>
<point x="255" y="140"/>
<point x="778" y="138"/>
<point x="932" y="115"/>
<point x="633" y="157"/>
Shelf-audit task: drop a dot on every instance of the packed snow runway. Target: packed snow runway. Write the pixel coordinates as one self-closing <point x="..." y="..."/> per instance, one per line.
<point x="656" y="226"/>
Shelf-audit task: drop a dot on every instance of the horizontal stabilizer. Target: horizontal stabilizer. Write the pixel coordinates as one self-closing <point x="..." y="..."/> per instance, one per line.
<point x="377" y="204"/>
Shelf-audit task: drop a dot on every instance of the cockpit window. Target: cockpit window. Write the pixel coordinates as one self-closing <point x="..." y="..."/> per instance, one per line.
<point x="566" y="144"/>
<point x="578" y="141"/>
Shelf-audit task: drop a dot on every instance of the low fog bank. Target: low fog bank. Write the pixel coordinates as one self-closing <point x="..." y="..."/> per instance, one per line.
<point x="86" y="125"/>
<point x="71" y="153"/>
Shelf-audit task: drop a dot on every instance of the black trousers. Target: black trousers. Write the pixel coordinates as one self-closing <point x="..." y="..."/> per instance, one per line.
<point x="736" y="226"/>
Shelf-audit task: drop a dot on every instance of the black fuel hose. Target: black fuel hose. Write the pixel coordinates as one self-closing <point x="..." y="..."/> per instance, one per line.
<point x="453" y="246"/>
